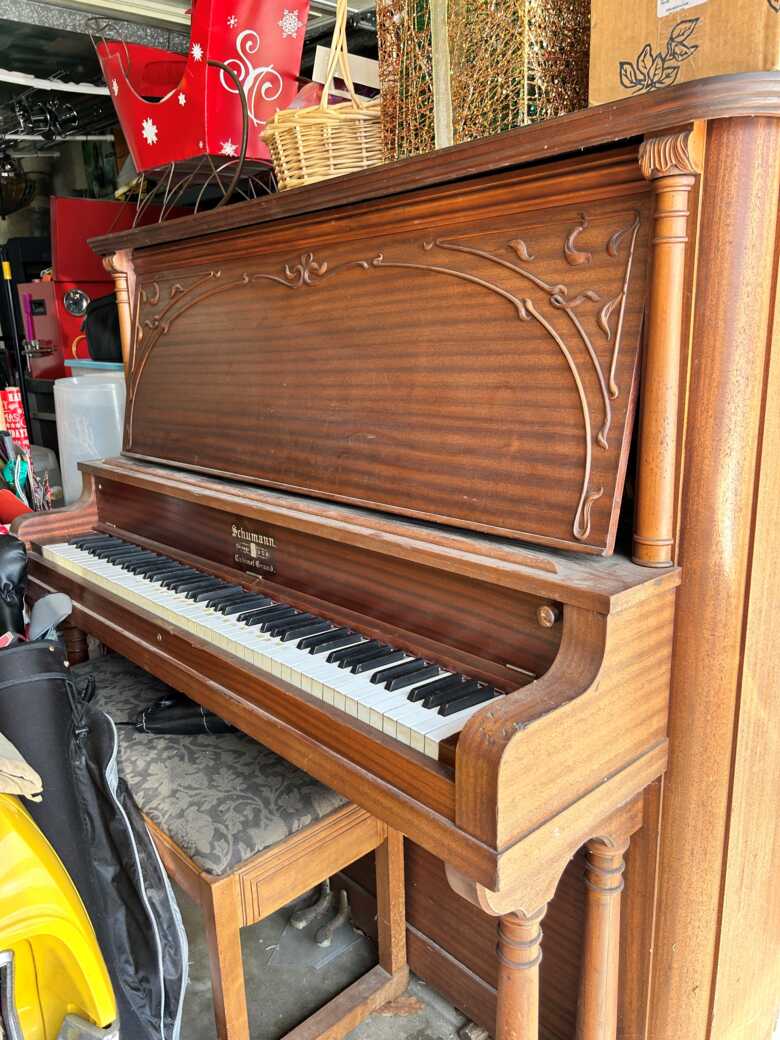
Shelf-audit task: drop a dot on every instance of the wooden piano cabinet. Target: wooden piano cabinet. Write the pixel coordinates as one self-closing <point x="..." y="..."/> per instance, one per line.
<point x="700" y="164"/>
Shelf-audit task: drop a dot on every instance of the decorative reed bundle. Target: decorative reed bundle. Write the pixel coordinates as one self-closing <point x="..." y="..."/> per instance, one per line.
<point x="313" y="144"/>
<point x="453" y="70"/>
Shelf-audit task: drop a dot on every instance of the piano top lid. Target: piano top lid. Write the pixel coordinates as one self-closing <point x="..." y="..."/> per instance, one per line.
<point x="603" y="584"/>
<point x="717" y="97"/>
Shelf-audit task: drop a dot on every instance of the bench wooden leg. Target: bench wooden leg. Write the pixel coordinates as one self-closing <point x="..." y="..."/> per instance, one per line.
<point x="221" y="910"/>
<point x="391" y="903"/>
<point x="390" y="977"/>
<point x="598" y="1002"/>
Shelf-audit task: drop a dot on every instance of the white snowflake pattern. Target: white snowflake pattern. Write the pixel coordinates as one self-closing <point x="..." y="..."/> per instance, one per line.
<point x="228" y="148"/>
<point x="115" y="87"/>
<point x="290" y="23"/>
<point x="149" y="131"/>
<point x="232" y="22"/>
<point x="197" y="51"/>
<point x="182" y="99"/>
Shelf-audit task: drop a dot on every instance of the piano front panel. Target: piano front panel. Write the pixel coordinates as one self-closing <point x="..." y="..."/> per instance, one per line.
<point x="477" y="369"/>
<point x="483" y="626"/>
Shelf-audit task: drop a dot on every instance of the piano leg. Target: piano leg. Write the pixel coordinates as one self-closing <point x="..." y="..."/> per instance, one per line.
<point x="75" y="643"/>
<point x="598" y="998"/>
<point x="519" y="956"/>
<point x="533" y="884"/>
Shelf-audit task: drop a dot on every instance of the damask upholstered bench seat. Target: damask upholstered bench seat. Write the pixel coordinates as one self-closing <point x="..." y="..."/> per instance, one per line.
<point x="244" y="832"/>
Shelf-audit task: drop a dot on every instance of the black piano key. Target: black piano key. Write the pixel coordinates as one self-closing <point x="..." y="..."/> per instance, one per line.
<point x="403" y="681"/>
<point x="256" y="614"/>
<point x="115" y="552"/>
<point x="207" y="595"/>
<point x="300" y="618"/>
<point x="183" y="574"/>
<point x="478" y="696"/>
<point x="435" y="700"/>
<point x="148" y="568"/>
<point x="83" y="540"/>
<point x="163" y="568"/>
<point x="97" y="542"/>
<point x="419" y="692"/>
<point x="337" y="643"/>
<point x="203" y="584"/>
<point x="386" y="674"/>
<point x="321" y="639"/>
<point x="226" y="594"/>
<point x="269" y="619"/>
<point x="137" y="563"/>
<point x="244" y="604"/>
<point x="370" y="663"/>
<point x="131" y="563"/>
<point x="100" y="551"/>
<point x="319" y="625"/>
<point x="346" y="657"/>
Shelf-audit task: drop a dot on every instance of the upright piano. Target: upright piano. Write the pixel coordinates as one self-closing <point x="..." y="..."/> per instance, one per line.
<point x="400" y="497"/>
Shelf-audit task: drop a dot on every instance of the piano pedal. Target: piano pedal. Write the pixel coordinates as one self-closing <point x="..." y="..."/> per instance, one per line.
<point x="324" y="936"/>
<point x="471" y="1031"/>
<point x="302" y="918"/>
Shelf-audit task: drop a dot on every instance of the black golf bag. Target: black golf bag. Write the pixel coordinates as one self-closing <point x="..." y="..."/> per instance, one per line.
<point x="90" y="818"/>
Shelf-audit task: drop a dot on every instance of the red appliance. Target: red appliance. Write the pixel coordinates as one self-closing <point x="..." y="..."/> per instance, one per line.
<point x="50" y="329"/>
<point x="52" y="311"/>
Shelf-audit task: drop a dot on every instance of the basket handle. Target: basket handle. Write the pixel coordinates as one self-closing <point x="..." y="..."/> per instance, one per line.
<point x="339" y="56"/>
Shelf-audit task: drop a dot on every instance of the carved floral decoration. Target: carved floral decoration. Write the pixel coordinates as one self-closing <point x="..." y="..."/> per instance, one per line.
<point x="159" y="309"/>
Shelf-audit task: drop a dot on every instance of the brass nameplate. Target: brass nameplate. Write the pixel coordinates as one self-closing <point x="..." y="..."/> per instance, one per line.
<point x="253" y="549"/>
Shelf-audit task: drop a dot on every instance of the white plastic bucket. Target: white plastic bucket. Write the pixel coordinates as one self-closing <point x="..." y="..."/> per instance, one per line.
<point x="90" y="414"/>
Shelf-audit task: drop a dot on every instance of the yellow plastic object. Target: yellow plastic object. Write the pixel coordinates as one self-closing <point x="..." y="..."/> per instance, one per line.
<point x="58" y="967"/>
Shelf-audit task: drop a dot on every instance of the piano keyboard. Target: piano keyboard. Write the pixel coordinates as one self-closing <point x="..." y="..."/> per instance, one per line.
<point x="411" y="699"/>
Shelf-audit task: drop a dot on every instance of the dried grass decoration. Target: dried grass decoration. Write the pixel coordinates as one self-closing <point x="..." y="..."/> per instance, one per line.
<point x="313" y="144"/>
<point x="455" y="70"/>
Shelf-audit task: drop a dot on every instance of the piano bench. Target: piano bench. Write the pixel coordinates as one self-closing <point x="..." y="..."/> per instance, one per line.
<point x="244" y="832"/>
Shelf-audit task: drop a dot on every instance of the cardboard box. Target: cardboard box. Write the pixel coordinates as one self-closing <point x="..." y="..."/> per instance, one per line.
<point x="643" y="45"/>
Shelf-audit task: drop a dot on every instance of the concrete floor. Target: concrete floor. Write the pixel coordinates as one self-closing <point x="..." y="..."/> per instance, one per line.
<point x="288" y="977"/>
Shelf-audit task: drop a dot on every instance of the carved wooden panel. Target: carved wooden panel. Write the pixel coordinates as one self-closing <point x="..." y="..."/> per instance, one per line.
<point x="481" y="375"/>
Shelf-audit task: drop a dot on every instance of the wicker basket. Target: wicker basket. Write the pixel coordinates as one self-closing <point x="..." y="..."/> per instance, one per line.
<point x="313" y="144"/>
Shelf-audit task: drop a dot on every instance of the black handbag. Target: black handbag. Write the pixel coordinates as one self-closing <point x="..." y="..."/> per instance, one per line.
<point x="101" y="327"/>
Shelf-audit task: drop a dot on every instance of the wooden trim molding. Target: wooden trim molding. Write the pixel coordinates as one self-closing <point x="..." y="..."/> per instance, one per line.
<point x="716" y="97"/>
<point x="672" y="162"/>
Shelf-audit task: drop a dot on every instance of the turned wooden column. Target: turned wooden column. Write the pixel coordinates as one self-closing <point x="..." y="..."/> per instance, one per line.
<point x="120" y="266"/>
<point x="671" y="162"/>
<point x="598" y="998"/>
<point x="519" y="956"/>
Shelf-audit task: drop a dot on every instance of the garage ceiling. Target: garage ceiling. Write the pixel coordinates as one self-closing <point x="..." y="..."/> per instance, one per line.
<point x="50" y="40"/>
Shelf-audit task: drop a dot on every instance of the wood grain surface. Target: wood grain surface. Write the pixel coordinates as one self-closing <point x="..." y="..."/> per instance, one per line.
<point x="497" y="355"/>
<point x="703" y="987"/>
